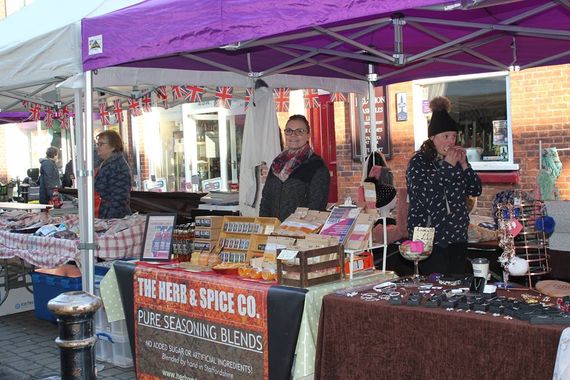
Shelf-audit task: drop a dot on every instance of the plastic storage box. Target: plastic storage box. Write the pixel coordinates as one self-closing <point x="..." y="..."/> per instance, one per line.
<point x="113" y="344"/>
<point x="49" y="283"/>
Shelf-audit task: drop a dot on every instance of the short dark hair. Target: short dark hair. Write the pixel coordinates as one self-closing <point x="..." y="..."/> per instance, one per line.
<point x="113" y="138"/>
<point x="51" y="152"/>
<point x="300" y="118"/>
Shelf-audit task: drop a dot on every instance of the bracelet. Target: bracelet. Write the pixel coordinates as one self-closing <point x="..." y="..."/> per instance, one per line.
<point x="449" y="283"/>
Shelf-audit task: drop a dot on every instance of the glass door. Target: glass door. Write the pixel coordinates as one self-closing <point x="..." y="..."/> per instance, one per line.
<point x="213" y="151"/>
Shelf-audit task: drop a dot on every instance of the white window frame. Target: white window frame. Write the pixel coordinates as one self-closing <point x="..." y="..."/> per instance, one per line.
<point x="420" y="124"/>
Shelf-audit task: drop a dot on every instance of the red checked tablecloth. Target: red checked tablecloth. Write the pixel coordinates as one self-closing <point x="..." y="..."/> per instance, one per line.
<point x="49" y="252"/>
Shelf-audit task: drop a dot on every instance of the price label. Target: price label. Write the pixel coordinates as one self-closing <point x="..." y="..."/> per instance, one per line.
<point x="287" y="254"/>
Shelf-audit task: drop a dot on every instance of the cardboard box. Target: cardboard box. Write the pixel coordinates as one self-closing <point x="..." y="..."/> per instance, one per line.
<point x="18" y="301"/>
<point x="361" y="262"/>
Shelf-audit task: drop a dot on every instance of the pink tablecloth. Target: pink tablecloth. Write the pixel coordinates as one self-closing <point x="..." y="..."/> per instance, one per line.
<point x="49" y="252"/>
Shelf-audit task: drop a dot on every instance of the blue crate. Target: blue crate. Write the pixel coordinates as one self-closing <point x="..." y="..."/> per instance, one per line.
<point x="49" y="286"/>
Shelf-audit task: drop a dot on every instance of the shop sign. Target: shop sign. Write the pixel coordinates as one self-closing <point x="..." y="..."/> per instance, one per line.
<point x="381" y="129"/>
<point x="199" y="326"/>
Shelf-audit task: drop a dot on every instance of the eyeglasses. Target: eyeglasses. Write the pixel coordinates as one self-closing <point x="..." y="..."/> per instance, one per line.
<point x="296" y="132"/>
<point x="101" y="143"/>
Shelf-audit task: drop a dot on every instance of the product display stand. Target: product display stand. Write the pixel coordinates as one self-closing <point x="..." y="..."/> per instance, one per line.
<point x="352" y="252"/>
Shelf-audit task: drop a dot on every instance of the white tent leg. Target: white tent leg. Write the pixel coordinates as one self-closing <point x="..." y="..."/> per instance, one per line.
<point x="372" y="108"/>
<point x="85" y="185"/>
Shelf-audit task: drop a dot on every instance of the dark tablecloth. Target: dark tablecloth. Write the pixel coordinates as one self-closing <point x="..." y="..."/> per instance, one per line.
<point x="375" y="340"/>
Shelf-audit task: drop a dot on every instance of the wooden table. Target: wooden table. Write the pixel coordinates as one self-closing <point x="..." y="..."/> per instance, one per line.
<point x="361" y="339"/>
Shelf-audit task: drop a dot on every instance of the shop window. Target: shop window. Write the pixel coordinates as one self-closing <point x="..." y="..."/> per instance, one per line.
<point x="480" y="104"/>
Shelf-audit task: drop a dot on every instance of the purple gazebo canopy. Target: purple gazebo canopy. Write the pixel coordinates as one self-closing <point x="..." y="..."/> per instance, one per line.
<point x="404" y="40"/>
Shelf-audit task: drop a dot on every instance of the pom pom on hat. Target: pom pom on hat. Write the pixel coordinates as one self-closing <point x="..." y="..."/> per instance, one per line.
<point x="440" y="120"/>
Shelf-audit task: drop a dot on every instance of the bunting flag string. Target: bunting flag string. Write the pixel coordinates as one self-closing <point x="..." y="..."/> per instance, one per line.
<point x="224" y="96"/>
<point x="48" y="119"/>
<point x="178" y="92"/>
<point x="134" y="106"/>
<point x="338" y="97"/>
<point x="162" y="95"/>
<point x="194" y="94"/>
<point x="281" y="97"/>
<point x="311" y="98"/>
<point x="26" y="104"/>
<point x="248" y="97"/>
<point x="104" y="114"/>
<point x="64" y="117"/>
<point x="35" y="112"/>
<point x="146" y="103"/>
<point x="118" y="111"/>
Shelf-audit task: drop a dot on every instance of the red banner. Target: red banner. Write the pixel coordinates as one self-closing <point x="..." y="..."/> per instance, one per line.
<point x="199" y="326"/>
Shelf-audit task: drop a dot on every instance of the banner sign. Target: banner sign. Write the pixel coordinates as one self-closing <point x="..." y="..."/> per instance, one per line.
<point x="199" y="326"/>
<point x="381" y="129"/>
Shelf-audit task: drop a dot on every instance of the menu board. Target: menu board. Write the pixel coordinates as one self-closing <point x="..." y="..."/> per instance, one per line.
<point x="381" y="124"/>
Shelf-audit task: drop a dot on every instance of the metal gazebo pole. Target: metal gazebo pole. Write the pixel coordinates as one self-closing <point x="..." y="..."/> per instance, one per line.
<point x="85" y="185"/>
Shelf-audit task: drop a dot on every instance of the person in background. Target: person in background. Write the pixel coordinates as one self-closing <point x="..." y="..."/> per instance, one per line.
<point x="297" y="177"/>
<point x="439" y="179"/>
<point x="49" y="175"/>
<point x="68" y="176"/>
<point x="112" y="178"/>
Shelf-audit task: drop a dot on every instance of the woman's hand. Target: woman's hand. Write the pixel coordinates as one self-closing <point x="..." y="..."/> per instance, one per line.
<point x="453" y="155"/>
<point x="263" y="171"/>
<point x="457" y="155"/>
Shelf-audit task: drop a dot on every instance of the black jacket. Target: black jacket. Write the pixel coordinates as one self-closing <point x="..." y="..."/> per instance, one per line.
<point x="113" y="183"/>
<point x="307" y="186"/>
<point x="439" y="190"/>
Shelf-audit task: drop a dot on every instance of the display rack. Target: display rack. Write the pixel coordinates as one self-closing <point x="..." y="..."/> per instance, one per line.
<point x="240" y="237"/>
<point x="351" y="253"/>
<point x="531" y="244"/>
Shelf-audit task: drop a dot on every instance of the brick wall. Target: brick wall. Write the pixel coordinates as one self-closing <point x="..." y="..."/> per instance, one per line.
<point x="540" y="110"/>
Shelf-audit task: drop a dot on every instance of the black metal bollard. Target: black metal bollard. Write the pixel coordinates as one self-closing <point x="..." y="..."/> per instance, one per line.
<point x="76" y="342"/>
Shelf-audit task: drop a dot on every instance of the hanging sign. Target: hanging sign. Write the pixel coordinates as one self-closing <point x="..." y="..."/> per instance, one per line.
<point x="382" y="129"/>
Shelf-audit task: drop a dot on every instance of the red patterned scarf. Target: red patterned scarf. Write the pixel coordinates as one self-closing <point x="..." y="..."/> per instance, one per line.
<point x="289" y="160"/>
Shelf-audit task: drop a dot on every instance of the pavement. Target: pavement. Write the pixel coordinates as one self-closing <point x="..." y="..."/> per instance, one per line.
<point x="28" y="351"/>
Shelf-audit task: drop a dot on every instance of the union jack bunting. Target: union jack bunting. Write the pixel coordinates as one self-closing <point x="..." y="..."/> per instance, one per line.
<point x="118" y="110"/>
<point x="146" y="103"/>
<point x="281" y="97"/>
<point x="104" y="114"/>
<point x="248" y="97"/>
<point x="194" y="94"/>
<point x="26" y="104"/>
<point x="224" y="96"/>
<point x="48" y="118"/>
<point x="311" y="98"/>
<point x="64" y="117"/>
<point x="35" y="112"/>
<point x="178" y="92"/>
<point x="162" y="95"/>
<point x="134" y="106"/>
<point x="338" y="97"/>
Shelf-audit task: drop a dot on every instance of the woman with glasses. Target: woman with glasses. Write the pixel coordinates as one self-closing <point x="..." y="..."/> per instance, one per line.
<point x="297" y="177"/>
<point x="112" y="178"/>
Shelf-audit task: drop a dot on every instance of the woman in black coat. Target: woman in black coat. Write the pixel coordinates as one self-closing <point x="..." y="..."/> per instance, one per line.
<point x="439" y="179"/>
<point x="113" y="178"/>
<point x="49" y="175"/>
<point x="298" y="177"/>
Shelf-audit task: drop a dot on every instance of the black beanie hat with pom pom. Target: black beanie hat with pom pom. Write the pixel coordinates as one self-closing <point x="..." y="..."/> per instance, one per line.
<point x="440" y="120"/>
